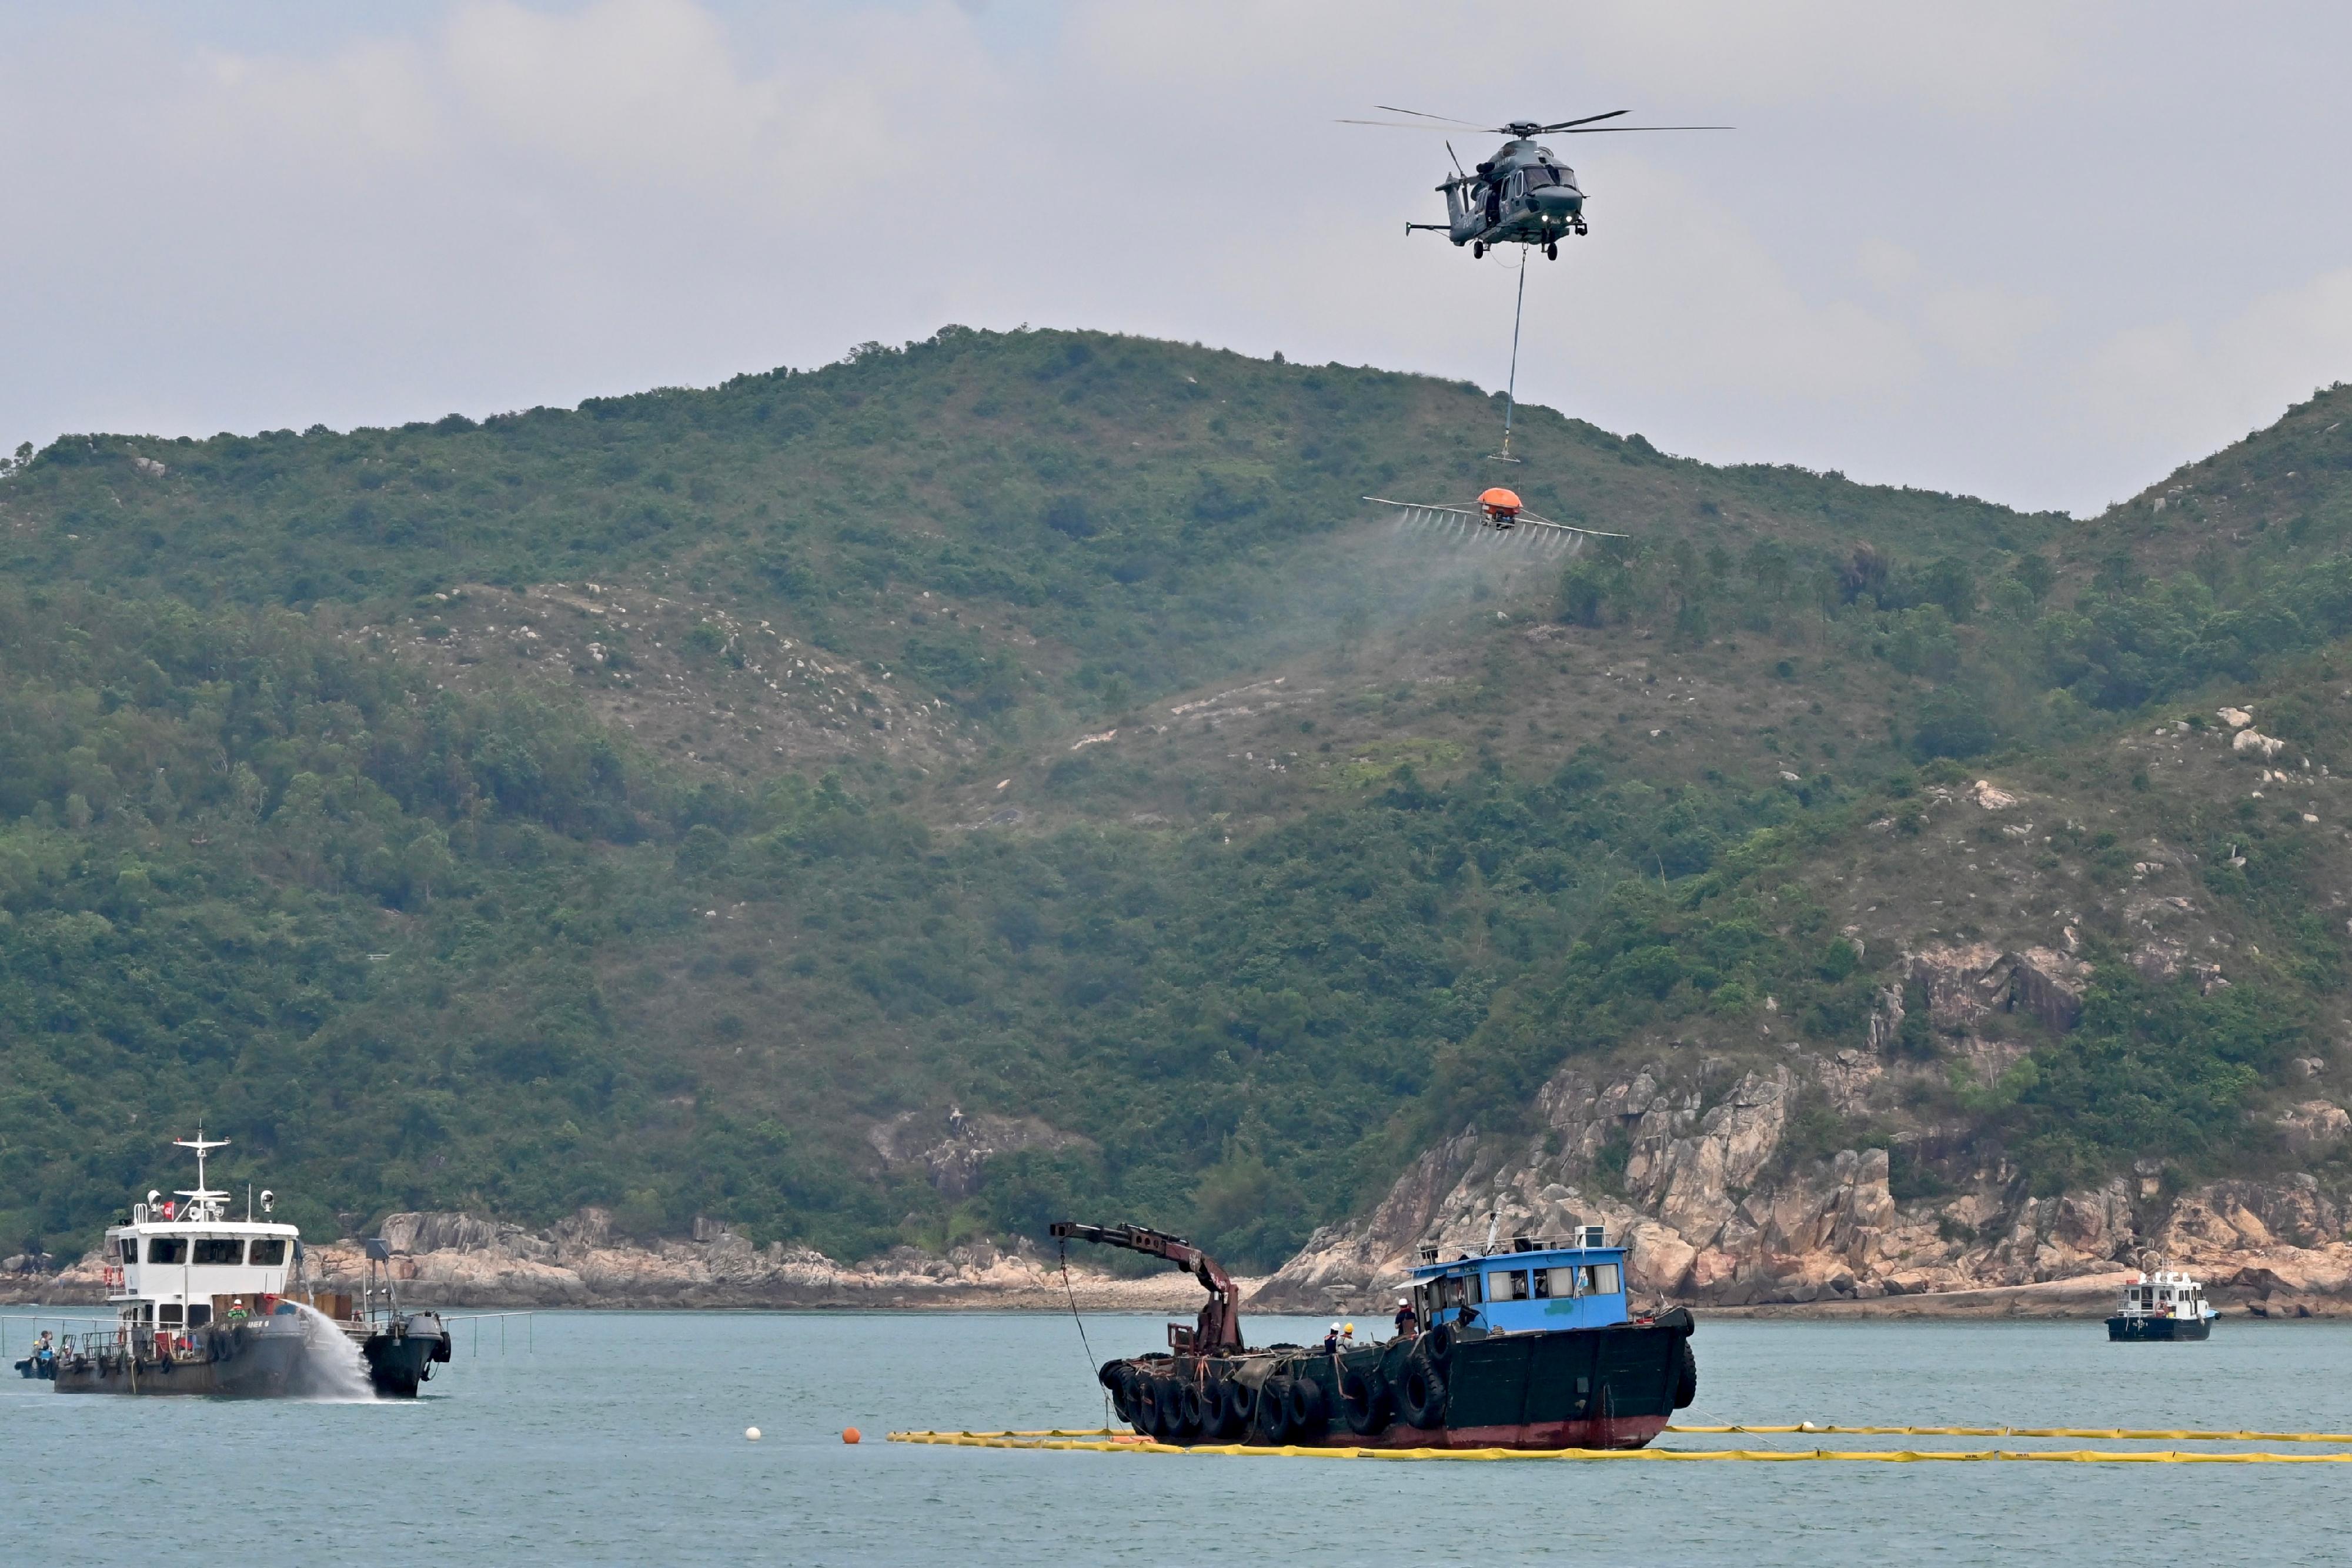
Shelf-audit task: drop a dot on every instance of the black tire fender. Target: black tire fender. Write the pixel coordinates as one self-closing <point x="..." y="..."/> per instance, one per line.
<point x="1152" y="1404"/>
<point x="1685" y="1375"/>
<point x="1190" y="1411"/>
<point x="1241" y="1408"/>
<point x="1309" y="1413"/>
<point x="1366" y="1402"/>
<point x="1439" y="1344"/>
<point x="1421" y="1393"/>
<point x="1272" y="1419"/>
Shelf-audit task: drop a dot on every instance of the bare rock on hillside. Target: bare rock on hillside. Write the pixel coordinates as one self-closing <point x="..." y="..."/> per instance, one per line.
<point x="2050" y="985"/>
<point x="953" y="1148"/>
<point x="1963" y="982"/>
<point x="1713" y="1213"/>
<point x="2314" y="1124"/>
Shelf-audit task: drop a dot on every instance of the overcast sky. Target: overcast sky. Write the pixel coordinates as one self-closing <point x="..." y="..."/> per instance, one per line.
<point x="2037" y="252"/>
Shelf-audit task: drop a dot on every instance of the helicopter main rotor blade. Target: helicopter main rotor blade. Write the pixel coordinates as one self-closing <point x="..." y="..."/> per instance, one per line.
<point x="1416" y="125"/>
<point x="1587" y="120"/>
<point x="1417" y="114"/>
<point x="1605" y="129"/>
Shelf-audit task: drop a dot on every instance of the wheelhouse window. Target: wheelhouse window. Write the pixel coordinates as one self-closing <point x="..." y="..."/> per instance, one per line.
<point x="167" y="1250"/>
<point x="1458" y="1291"/>
<point x="268" y="1252"/>
<point x="168" y="1315"/>
<point x="1543" y="1283"/>
<point x="1564" y="1282"/>
<point x="127" y="1248"/>
<point x="1507" y="1285"/>
<point x="1600" y="1280"/>
<point x="219" y="1250"/>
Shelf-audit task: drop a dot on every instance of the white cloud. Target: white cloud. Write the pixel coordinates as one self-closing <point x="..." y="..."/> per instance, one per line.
<point x="2177" y="391"/>
<point x="1692" y="296"/>
<point x="1985" y="329"/>
<point x="1886" y="266"/>
<point x="504" y="201"/>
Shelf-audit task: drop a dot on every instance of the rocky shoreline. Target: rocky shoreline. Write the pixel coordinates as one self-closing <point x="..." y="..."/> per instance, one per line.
<point x="1716" y="1218"/>
<point x="1695" y="1156"/>
<point x="463" y="1260"/>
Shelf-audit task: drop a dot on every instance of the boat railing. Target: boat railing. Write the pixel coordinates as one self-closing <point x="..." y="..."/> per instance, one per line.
<point x="24" y="1331"/>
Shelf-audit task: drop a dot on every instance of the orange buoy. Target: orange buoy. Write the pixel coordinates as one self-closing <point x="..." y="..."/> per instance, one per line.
<point x="1499" y="501"/>
<point x="849" y="1434"/>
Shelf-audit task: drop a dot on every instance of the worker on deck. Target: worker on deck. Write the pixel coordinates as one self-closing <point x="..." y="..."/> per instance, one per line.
<point x="1407" y="1325"/>
<point x="1331" y="1341"/>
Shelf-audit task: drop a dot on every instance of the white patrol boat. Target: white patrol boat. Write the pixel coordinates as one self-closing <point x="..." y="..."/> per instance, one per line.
<point x="2162" y="1303"/>
<point x="208" y="1304"/>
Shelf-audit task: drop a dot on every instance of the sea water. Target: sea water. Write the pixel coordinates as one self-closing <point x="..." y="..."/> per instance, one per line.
<point x="618" y="1437"/>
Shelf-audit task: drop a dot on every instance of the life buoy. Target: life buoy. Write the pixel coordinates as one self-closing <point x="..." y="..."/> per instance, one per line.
<point x="1421" y="1393"/>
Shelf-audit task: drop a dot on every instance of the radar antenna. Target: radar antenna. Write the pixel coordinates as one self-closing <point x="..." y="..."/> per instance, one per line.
<point x="202" y="1196"/>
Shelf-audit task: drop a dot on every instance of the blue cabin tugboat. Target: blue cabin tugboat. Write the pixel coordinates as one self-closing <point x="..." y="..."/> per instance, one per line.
<point x="1530" y="1347"/>
<point x="2162" y="1304"/>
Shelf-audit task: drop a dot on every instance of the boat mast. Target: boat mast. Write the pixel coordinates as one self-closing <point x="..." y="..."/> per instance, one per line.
<point x="204" y="1203"/>
<point x="203" y="1197"/>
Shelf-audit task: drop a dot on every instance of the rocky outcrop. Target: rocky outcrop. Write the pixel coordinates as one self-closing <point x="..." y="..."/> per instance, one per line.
<point x="1963" y="983"/>
<point x="1687" y="1164"/>
<point x="952" y="1148"/>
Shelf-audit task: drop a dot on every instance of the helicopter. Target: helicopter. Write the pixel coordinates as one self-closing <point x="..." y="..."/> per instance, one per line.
<point x="1522" y="196"/>
<point x="1496" y="509"/>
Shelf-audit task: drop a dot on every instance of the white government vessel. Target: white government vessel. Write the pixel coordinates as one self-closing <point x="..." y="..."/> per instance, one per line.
<point x="2162" y="1304"/>
<point x="208" y="1304"/>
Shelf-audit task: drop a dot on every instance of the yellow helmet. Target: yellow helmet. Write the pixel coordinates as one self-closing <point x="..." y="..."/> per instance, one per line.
<point x="1350" y="1329"/>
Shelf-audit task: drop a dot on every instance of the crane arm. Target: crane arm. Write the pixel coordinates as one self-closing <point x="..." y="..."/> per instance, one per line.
<point x="1219" y="1324"/>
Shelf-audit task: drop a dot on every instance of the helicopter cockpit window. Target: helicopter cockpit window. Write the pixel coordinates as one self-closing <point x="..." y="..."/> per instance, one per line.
<point x="1542" y="175"/>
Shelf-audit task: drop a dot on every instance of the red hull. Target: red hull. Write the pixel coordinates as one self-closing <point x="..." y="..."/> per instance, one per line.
<point x="1618" y="1432"/>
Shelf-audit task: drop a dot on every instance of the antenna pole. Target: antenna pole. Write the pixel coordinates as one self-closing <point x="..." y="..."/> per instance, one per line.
<point x="1511" y="392"/>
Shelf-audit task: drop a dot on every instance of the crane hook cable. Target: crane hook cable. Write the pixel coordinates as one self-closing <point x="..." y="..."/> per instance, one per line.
<point x="1085" y="1345"/>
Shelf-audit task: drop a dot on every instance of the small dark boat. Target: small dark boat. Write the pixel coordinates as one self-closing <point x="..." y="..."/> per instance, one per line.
<point x="2162" y="1304"/>
<point x="1529" y="1348"/>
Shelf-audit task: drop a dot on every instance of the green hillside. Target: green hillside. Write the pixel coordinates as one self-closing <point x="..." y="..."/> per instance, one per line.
<point x="644" y="804"/>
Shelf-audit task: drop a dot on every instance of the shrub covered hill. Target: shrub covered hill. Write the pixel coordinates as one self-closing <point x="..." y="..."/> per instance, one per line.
<point x="1016" y="774"/>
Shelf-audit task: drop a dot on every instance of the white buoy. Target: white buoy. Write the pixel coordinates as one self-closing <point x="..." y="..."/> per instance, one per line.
<point x="752" y="1433"/>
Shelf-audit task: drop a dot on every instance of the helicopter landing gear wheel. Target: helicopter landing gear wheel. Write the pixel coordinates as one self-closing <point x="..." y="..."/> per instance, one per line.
<point x="1552" y="250"/>
<point x="1477" y="249"/>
